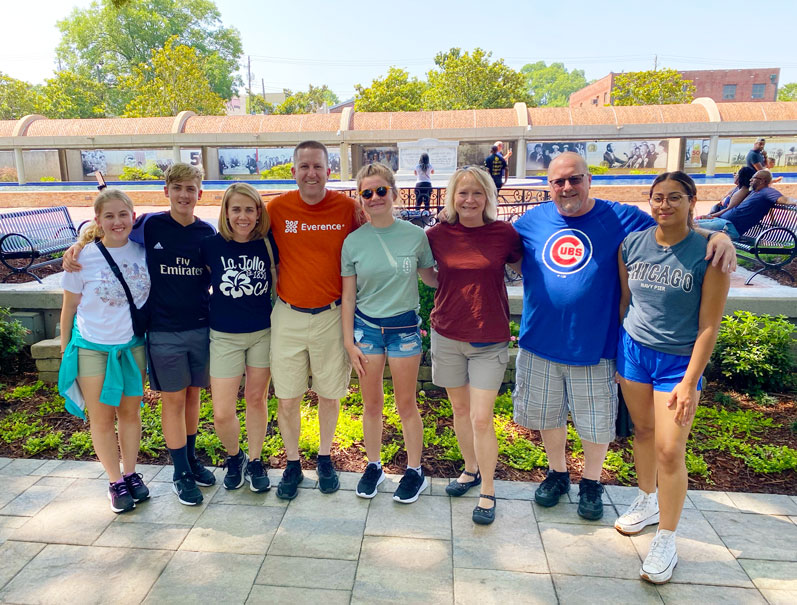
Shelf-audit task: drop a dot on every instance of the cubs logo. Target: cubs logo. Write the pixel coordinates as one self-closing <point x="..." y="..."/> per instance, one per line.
<point x="567" y="251"/>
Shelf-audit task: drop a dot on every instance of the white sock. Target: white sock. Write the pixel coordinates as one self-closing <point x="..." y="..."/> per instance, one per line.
<point x="665" y="533"/>
<point x="645" y="494"/>
<point x="417" y="469"/>
<point x="377" y="464"/>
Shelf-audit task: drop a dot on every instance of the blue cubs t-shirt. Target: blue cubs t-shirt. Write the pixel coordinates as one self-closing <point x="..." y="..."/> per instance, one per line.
<point x="240" y="274"/>
<point x="178" y="299"/>
<point x="571" y="286"/>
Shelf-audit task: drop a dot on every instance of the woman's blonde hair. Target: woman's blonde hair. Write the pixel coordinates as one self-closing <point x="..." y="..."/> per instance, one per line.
<point x="377" y="169"/>
<point x="484" y="180"/>
<point x="93" y="230"/>
<point x="263" y="223"/>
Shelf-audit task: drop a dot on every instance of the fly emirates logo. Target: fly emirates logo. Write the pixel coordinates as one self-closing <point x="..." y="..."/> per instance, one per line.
<point x="301" y="226"/>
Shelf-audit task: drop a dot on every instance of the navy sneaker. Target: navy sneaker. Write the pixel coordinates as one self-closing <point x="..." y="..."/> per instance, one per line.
<point x="327" y="477"/>
<point x="202" y="476"/>
<point x="372" y="477"/>
<point x="289" y="484"/>
<point x="590" y="501"/>
<point x="187" y="491"/>
<point x="410" y="487"/>
<point x="235" y="470"/>
<point x="135" y="485"/>
<point x="257" y="477"/>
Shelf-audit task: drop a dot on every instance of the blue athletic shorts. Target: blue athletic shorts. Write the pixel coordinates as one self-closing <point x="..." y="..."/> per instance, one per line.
<point x="639" y="363"/>
<point x="372" y="341"/>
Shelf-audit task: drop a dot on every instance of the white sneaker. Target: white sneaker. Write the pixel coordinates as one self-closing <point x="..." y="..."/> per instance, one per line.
<point x="644" y="511"/>
<point x="661" y="560"/>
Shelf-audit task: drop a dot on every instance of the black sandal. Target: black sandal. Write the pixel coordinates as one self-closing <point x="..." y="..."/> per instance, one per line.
<point x="456" y="489"/>
<point x="485" y="516"/>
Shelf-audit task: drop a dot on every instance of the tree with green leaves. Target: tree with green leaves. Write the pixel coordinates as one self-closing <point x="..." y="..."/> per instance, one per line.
<point x="257" y="104"/>
<point x="788" y="92"/>
<point x="18" y="98"/>
<point x="551" y="85"/>
<point x="69" y="95"/>
<point x="472" y="81"/>
<point x="307" y="102"/>
<point x="653" y="87"/>
<point x="395" y="92"/>
<point x="173" y="80"/>
<point x="110" y="39"/>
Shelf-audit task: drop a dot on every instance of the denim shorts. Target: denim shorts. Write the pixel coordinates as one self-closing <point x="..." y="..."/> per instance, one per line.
<point x="638" y="363"/>
<point x="372" y="341"/>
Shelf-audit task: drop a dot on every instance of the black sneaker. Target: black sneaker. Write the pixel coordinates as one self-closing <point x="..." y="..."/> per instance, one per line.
<point x="235" y="470"/>
<point x="257" y="477"/>
<point x="202" y="476"/>
<point x="410" y="487"/>
<point x="135" y="485"/>
<point x="590" y="502"/>
<point x="289" y="484"/>
<point x="187" y="491"/>
<point x="121" y="500"/>
<point x="372" y="477"/>
<point x="553" y="487"/>
<point x="327" y="477"/>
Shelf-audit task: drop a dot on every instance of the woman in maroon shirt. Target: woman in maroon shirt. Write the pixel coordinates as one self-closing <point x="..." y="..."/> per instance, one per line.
<point x="470" y="323"/>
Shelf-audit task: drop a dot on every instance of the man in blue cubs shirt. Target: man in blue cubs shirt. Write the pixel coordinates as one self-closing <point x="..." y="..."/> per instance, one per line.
<point x="735" y="221"/>
<point x="570" y="324"/>
<point x="178" y="336"/>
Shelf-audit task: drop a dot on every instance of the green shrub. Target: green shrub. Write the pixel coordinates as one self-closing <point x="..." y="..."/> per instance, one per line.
<point x="753" y="351"/>
<point x="12" y="336"/>
<point x="726" y="400"/>
<point x="280" y="172"/>
<point x="598" y="170"/>
<point x="80" y="444"/>
<point x="49" y="441"/>
<point x="427" y="303"/>
<point x="48" y="179"/>
<point x="151" y="172"/>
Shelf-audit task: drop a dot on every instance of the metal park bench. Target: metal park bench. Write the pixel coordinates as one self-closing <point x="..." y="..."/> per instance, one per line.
<point x="28" y="235"/>
<point x="772" y="242"/>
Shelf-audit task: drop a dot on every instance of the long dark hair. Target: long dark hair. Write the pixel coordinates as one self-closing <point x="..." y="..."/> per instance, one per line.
<point x="745" y="174"/>
<point x="424" y="162"/>
<point x="686" y="182"/>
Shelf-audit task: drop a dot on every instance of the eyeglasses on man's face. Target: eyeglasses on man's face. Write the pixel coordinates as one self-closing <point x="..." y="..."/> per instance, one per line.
<point x="574" y="181"/>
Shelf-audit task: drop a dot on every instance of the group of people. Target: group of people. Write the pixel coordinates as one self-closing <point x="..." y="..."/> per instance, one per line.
<point x="347" y="296"/>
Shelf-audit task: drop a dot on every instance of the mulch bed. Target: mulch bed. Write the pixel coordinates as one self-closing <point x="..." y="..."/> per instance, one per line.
<point x="726" y="473"/>
<point x="23" y="278"/>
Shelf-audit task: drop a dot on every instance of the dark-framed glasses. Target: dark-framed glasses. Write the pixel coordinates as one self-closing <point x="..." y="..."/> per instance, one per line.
<point x="574" y="180"/>
<point x="673" y="200"/>
<point x="381" y="191"/>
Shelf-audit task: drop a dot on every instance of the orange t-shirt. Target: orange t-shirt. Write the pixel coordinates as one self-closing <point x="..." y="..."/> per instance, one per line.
<point x="309" y="239"/>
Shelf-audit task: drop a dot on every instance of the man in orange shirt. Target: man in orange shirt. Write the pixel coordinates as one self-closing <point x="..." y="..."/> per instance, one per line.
<point x="309" y="226"/>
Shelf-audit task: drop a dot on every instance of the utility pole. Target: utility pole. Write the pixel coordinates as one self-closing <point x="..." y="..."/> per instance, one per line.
<point x="249" y="71"/>
<point x="263" y="84"/>
<point x="655" y="62"/>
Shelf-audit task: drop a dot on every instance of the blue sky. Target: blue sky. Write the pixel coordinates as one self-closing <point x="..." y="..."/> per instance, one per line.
<point x="342" y="44"/>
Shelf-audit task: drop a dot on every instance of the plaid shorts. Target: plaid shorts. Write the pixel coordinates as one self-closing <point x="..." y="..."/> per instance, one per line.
<point x="546" y="390"/>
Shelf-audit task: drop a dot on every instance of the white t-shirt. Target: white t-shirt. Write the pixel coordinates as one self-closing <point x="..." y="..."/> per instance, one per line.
<point x="103" y="315"/>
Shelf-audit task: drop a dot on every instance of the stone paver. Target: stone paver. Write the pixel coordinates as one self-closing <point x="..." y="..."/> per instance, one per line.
<point x="756" y="536"/>
<point x="578" y="590"/>
<point x="60" y="543"/>
<point x="405" y="570"/>
<point x="428" y="517"/>
<point x="205" y="577"/>
<point x="242" y="529"/>
<point x="322" y="525"/>
<point x="63" y="573"/>
<point x="489" y="586"/>
<point x="302" y="572"/>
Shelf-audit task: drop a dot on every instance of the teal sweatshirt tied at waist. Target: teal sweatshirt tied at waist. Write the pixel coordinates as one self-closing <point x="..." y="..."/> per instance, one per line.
<point x="122" y="374"/>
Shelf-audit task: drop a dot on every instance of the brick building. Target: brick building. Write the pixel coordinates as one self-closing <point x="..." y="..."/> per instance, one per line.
<point x="721" y="85"/>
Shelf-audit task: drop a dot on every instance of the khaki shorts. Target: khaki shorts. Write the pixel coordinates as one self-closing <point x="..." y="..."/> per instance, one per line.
<point x="93" y="363"/>
<point x="546" y="390"/>
<point x="456" y="363"/>
<point x="230" y="353"/>
<point x="303" y="345"/>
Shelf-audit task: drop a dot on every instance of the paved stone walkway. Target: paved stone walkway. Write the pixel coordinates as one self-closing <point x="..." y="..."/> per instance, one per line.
<point x="60" y="543"/>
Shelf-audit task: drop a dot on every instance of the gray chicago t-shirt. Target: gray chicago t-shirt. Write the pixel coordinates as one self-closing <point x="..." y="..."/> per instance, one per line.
<point x="665" y="284"/>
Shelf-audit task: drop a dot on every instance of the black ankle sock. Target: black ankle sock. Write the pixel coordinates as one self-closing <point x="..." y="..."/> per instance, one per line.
<point x="180" y="462"/>
<point x="190" y="444"/>
<point x="326" y="458"/>
<point x="295" y="463"/>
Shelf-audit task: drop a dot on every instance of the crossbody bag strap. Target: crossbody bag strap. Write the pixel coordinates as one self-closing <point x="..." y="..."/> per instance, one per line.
<point x="273" y="269"/>
<point x="116" y="271"/>
<point x="389" y="255"/>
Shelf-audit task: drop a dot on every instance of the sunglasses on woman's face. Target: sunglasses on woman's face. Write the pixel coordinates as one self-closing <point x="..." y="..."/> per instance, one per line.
<point x="367" y="194"/>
